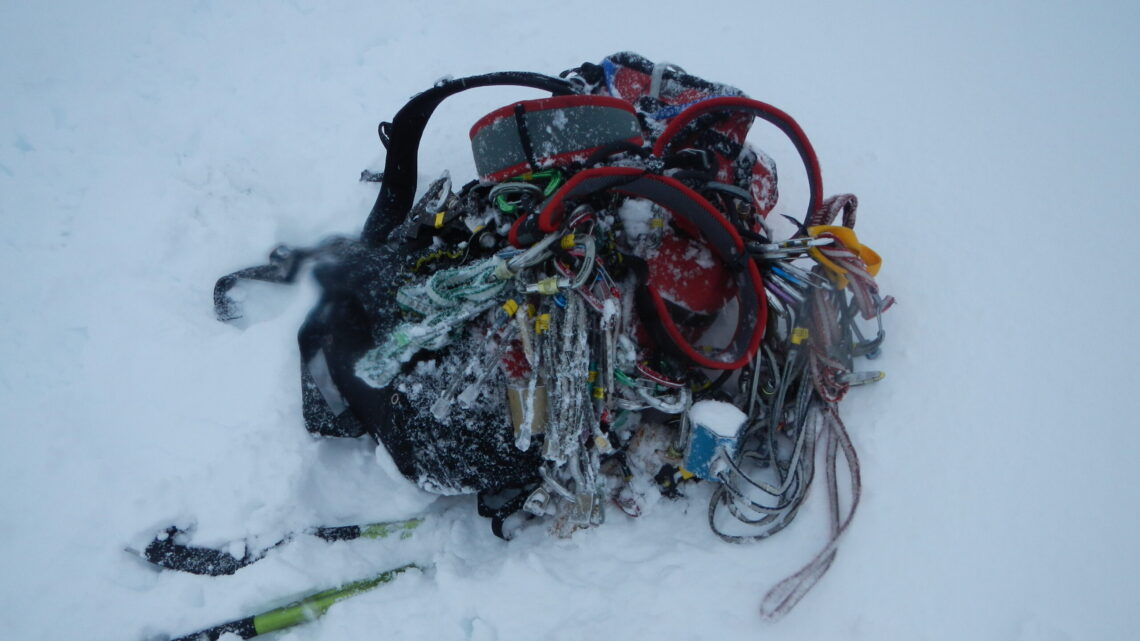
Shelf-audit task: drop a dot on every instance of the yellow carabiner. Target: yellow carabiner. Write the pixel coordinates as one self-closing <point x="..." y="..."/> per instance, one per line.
<point x="844" y="236"/>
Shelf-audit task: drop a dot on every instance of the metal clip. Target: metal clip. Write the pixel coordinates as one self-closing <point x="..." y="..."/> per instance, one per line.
<point x="810" y="277"/>
<point x="863" y="346"/>
<point x="787" y="248"/>
<point x="862" y="378"/>
<point x="538" y="501"/>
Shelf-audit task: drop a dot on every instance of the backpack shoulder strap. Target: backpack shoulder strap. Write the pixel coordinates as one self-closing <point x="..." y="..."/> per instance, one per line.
<point x="398" y="189"/>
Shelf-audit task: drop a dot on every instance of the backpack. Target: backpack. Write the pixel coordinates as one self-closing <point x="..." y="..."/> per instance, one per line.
<point x="609" y="279"/>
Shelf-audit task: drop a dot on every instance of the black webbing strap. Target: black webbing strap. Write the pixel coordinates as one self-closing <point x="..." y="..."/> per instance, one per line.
<point x="524" y="135"/>
<point x="504" y="508"/>
<point x="399" y="187"/>
<point x="284" y="263"/>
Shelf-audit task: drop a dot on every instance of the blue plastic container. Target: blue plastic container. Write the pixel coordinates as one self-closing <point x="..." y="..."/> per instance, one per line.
<point x="714" y="432"/>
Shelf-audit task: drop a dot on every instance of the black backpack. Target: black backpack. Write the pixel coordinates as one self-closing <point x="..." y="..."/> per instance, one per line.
<point x="427" y="338"/>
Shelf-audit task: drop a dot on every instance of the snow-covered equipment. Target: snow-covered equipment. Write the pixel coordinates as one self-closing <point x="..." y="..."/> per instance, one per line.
<point x="714" y="436"/>
<point x="607" y="299"/>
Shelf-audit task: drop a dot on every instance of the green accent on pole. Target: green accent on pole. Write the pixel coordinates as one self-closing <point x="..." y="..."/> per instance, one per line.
<point x="384" y="530"/>
<point x="313" y="606"/>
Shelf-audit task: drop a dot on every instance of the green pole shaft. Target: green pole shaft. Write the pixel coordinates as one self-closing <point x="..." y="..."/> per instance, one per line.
<point x="303" y="611"/>
<point x="367" y="530"/>
<point x="316" y="605"/>
<point x="384" y="530"/>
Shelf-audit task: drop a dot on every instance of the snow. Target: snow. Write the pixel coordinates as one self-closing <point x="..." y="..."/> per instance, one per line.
<point x="720" y="418"/>
<point x="148" y="148"/>
<point x="636" y="218"/>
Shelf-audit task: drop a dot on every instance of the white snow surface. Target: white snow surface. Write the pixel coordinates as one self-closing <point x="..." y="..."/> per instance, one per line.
<point x="147" y="148"/>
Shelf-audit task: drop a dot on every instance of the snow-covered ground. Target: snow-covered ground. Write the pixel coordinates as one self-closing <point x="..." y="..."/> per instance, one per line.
<point x="147" y="148"/>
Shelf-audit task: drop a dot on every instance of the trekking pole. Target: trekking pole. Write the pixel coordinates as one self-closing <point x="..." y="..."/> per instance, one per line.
<point x="166" y="552"/>
<point x="303" y="611"/>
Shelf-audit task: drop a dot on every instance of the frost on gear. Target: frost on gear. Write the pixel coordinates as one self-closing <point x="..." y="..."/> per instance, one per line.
<point x="607" y="300"/>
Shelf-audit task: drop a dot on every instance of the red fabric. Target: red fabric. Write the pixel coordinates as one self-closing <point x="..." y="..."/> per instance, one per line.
<point x="682" y="342"/>
<point x="682" y="274"/>
<point x="631" y="84"/>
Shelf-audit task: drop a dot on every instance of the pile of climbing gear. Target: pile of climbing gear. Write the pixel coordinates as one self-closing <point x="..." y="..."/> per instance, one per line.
<point x="607" y="307"/>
